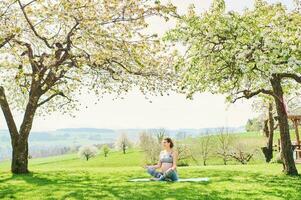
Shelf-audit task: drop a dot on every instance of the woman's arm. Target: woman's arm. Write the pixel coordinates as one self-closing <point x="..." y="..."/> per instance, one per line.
<point x="175" y="159"/>
<point x="157" y="166"/>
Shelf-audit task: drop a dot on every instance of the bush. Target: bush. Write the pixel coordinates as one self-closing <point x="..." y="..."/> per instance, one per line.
<point x="254" y="124"/>
<point x="105" y="149"/>
<point x="183" y="163"/>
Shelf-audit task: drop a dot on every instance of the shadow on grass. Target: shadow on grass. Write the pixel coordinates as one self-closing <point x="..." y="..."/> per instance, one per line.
<point x="108" y="185"/>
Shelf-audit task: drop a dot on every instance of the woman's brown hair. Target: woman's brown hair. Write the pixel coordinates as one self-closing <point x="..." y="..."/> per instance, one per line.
<point x="169" y="140"/>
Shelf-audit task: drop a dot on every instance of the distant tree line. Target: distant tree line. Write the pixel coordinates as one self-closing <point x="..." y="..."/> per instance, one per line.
<point x="224" y="146"/>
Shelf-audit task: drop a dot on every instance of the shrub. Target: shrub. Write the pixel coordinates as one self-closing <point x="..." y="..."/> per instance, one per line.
<point x="105" y="149"/>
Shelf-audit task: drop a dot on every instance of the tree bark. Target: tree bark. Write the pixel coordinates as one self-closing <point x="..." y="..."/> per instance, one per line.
<point x="271" y="126"/>
<point x="20" y="157"/>
<point x="123" y="148"/>
<point x="19" y="139"/>
<point x="286" y="145"/>
<point x="225" y="161"/>
<point x="266" y="128"/>
<point x="20" y="151"/>
<point x="19" y="146"/>
<point x="271" y="134"/>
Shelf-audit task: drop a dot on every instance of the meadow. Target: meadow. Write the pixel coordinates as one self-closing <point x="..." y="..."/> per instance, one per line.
<point x="68" y="177"/>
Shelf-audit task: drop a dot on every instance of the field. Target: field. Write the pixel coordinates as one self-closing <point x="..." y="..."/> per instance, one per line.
<point x="68" y="177"/>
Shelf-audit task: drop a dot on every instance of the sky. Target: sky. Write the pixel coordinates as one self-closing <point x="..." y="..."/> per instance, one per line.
<point x="172" y="112"/>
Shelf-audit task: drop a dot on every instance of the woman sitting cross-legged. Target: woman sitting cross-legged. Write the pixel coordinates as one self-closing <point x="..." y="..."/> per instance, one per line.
<point x="167" y="163"/>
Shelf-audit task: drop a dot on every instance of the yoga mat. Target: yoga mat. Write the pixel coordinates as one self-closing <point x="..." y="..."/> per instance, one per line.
<point x="194" y="180"/>
<point x="180" y="180"/>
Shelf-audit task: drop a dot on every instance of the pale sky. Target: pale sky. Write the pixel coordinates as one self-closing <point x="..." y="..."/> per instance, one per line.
<point x="173" y="111"/>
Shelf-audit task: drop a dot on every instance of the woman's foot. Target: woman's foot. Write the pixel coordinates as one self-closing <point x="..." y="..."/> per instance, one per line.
<point x="160" y="178"/>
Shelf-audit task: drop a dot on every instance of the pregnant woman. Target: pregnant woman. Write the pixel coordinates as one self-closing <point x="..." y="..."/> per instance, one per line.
<point x="167" y="163"/>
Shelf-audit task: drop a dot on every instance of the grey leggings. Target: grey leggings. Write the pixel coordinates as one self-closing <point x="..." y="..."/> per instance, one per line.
<point x="171" y="175"/>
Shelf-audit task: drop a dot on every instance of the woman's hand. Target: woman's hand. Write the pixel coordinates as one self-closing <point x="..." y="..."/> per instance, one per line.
<point x="169" y="170"/>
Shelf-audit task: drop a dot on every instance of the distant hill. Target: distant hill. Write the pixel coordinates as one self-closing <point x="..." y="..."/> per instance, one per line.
<point x="85" y="130"/>
<point x="47" y="143"/>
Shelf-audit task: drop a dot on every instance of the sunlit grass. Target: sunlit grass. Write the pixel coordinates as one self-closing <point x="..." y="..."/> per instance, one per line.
<point x="68" y="177"/>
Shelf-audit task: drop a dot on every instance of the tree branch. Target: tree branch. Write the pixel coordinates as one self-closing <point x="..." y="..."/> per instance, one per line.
<point x="130" y="71"/>
<point x="24" y="6"/>
<point x="30" y="55"/>
<point x="29" y="51"/>
<point x="8" y="116"/>
<point x="8" y="7"/>
<point x="51" y="97"/>
<point x="71" y="32"/>
<point x="6" y="40"/>
<point x="44" y="39"/>
<point x="129" y="19"/>
<point x="247" y="94"/>
<point x="291" y="76"/>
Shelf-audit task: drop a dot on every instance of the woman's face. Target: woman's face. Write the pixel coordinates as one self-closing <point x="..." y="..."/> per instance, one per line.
<point x="165" y="144"/>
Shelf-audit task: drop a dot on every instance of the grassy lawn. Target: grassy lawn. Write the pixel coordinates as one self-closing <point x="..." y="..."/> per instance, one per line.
<point x="67" y="177"/>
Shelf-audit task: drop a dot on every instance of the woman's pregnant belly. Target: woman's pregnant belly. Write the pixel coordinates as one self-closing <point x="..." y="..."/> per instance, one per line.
<point x="166" y="166"/>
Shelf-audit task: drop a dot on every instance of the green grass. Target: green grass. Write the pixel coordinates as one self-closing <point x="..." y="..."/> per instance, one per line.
<point x="67" y="177"/>
<point x="251" y="142"/>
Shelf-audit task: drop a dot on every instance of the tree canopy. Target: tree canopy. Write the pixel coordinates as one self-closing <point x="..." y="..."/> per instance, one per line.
<point x="51" y="50"/>
<point x="69" y="44"/>
<point x="237" y="53"/>
<point x="243" y="55"/>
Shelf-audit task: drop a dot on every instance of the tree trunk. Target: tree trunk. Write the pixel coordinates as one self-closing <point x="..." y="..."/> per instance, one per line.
<point x="19" y="139"/>
<point x="286" y="145"/>
<point x="20" y="151"/>
<point x="271" y="134"/>
<point x="266" y="128"/>
<point x="123" y="148"/>
<point x="20" y="157"/>
<point x="19" y="145"/>
<point x="225" y="161"/>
